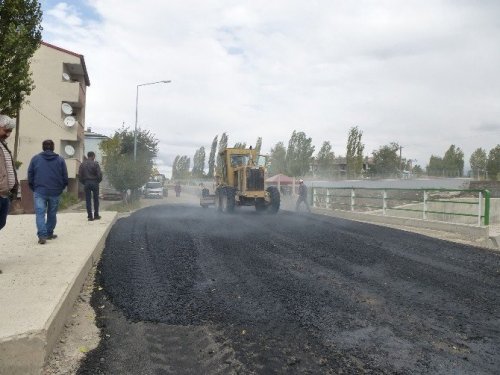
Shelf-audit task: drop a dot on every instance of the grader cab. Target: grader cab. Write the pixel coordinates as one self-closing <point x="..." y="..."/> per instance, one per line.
<point x="240" y="182"/>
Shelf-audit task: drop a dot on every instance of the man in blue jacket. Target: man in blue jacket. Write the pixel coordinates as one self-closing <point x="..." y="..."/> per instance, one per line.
<point x="47" y="178"/>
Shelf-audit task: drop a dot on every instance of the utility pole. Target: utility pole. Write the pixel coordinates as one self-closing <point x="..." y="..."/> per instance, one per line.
<point x="16" y="138"/>
<point x="400" y="159"/>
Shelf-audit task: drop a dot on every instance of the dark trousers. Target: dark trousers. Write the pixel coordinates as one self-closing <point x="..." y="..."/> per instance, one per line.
<point x="92" y="191"/>
<point x="4" y="210"/>
<point x="299" y="201"/>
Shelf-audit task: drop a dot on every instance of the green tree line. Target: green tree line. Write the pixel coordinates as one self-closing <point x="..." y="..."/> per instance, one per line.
<point x="296" y="158"/>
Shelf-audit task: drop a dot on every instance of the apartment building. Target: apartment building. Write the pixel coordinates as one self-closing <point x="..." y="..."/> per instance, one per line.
<point x="54" y="110"/>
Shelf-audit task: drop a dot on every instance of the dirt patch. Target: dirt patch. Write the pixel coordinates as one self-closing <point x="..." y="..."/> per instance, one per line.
<point x="79" y="336"/>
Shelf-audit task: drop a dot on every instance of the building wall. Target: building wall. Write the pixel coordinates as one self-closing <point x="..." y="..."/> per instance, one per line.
<point x="92" y="142"/>
<point x="42" y="117"/>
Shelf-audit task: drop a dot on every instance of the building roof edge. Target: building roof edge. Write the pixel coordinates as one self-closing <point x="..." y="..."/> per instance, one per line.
<point x="82" y="59"/>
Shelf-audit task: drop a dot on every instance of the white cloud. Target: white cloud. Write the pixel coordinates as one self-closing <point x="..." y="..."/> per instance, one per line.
<point x="421" y="73"/>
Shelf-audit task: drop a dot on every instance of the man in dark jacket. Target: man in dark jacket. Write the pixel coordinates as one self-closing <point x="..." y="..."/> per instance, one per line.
<point x="302" y="196"/>
<point x="47" y="178"/>
<point x="90" y="176"/>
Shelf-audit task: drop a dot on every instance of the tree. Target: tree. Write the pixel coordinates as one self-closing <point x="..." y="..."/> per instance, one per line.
<point x="277" y="159"/>
<point x="417" y="170"/>
<point x="354" y="154"/>
<point x="240" y="145"/>
<point x="182" y="167"/>
<point x="258" y="145"/>
<point x="493" y="165"/>
<point x="385" y="160"/>
<point x="120" y="167"/>
<point x="199" y="163"/>
<point x="222" y="147"/>
<point x="299" y="154"/>
<point x="435" y="166"/>
<point x="211" y="158"/>
<point x="326" y="160"/>
<point x="174" y="167"/>
<point x="453" y="161"/>
<point x="20" y="36"/>
<point x="478" y="161"/>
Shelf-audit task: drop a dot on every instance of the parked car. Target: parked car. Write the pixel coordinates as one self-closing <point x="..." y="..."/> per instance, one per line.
<point x="153" y="189"/>
<point x="111" y="194"/>
<point x="108" y="192"/>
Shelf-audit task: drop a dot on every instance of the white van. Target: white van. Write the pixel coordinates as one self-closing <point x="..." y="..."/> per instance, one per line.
<point x="153" y="189"/>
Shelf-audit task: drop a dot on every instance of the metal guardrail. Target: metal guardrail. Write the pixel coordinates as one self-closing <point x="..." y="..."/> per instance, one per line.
<point x="427" y="204"/>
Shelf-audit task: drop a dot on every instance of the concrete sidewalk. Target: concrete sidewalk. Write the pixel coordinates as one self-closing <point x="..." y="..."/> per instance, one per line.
<point x="40" y="283"/>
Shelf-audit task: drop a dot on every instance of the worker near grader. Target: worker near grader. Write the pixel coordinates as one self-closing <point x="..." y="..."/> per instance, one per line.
<point x="177" y="189"/>
<point x="302" y="196"/>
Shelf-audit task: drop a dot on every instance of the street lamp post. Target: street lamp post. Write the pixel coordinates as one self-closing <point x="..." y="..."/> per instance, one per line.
<point x="136" y="110"/>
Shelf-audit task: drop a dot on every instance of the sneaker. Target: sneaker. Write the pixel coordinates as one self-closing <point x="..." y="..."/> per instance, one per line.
<point x="97" y="217"/>
<point x="42" y="241"/>
<point x="90" y="219"/>
<point x="52" y="236"/>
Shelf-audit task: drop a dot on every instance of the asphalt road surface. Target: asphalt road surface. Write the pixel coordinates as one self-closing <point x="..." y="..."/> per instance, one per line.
<point x="182" y="290"/>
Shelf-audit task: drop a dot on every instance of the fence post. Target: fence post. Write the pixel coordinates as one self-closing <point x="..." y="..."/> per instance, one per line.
<point x="479" y="208"/>
<point x="384" y="202"/>
<point x="486" y="207"/>
<point x="353" y="200"/>
<point x="327" y="198"/>
<point x="425" y="206"/>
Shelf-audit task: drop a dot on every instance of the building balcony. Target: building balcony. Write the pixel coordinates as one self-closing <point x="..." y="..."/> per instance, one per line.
<point x="73" y="165"/>
<point x="73" y="133"/>
<point x="70" y="92"/>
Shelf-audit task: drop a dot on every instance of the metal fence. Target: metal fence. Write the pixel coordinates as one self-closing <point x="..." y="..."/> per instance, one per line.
<point x="447" y="205"/>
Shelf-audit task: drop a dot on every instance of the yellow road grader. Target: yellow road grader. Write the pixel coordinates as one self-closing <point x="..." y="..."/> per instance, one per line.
<point x="240" y="182"/>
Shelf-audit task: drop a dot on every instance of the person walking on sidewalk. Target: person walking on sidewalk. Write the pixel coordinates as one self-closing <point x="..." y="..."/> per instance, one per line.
<point x="47" y="178"/>
<point x="302" y="196"/>
<point x="90" y="176"/>
<point x="8" y="176"/>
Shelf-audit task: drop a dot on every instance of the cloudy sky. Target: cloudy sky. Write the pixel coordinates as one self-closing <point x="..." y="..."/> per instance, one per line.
<point x="422" y="73"/>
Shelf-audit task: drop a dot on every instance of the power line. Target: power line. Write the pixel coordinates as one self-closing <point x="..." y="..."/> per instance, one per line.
<point x="45" y="116"/>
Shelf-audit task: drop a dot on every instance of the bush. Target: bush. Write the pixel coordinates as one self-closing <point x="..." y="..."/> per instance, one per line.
<point x="67" y="200"/>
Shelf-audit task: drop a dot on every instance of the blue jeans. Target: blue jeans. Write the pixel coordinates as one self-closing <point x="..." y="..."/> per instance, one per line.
<point x="4" y="210"/>
<point x="45" y="205"/>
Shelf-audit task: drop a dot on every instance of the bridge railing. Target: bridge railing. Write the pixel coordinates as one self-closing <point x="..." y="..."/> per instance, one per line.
<point x="447" y="205"/>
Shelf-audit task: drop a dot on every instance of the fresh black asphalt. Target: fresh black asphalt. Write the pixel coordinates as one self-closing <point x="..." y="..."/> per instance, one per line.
<point x="183" y="290"/>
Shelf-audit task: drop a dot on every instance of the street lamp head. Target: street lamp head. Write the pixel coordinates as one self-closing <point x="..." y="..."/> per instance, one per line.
<point x="152" y="83"/>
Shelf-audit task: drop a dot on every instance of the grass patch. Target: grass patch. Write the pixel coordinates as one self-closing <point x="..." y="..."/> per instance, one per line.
<point x="67" y="200"/>
<point x="124" y="207"/>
